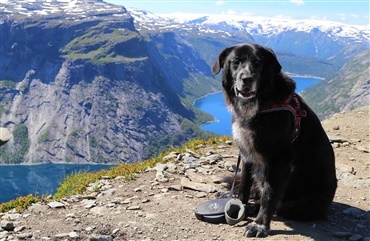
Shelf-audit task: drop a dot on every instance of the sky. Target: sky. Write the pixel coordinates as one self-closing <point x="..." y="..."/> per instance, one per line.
<point x="354" y="12"/>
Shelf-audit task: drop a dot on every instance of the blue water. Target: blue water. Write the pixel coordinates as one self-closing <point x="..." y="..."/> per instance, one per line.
<point x="214" y="104"/>
<point x="42" y="179"/>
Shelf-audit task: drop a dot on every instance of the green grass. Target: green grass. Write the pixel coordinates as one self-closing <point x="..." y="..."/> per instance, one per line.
<point x="19" y="204"/>
<point x="77" y="183"/>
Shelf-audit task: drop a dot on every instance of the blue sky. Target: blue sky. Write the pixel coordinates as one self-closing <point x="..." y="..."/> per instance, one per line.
<point x="345" y="11"/>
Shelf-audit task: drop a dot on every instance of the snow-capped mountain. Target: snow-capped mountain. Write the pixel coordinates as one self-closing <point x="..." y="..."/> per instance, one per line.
<point x="75" y="9"/>
<point x="231" y="24"/>
<point x="304" y="37"/>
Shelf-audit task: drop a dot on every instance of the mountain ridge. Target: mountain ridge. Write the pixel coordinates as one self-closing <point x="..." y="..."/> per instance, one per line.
<point x="86" y="81"/>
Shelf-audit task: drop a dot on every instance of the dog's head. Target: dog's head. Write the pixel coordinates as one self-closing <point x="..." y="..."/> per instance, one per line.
<point x="248" y="70"/>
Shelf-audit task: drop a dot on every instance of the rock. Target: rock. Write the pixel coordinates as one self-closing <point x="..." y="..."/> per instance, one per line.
<point x="355" y="237"/>
<point x="160" y="167"/>
<point x="175" y="188"/>
<point x="337" y="139"/>
<point x="74" y="235"/>
<point x="61" y="235"/>
<point x="171" y="156"/>
<point x="109" y="192"/>
<point x="11" y="216"/>
<point x="19" y="229"/>
<point x="89" y="229"/>
<point x="88" y="203"/>
<point x="133" y="208"/>
<point x="7" y="225"/>
<point x="190" y="162"/>
<point x="24" y="236"/>
<point x="98" y="237"/>
<point x="193" y="154"/>
<point x="213" y="159"/>
<point x="171" y="168"/>
<point x="194" y="176"/>
<point x="56" y="205"/>
<point x="3" y="234"/>
<point x="186" y="183"/>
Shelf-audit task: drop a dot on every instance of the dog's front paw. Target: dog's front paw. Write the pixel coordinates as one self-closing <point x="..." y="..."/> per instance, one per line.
<point x="256" y="230"/>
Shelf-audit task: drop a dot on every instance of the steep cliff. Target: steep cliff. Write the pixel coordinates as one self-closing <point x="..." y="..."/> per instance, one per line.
<point x="80" y="84"/>
<point x="347" y="90"/>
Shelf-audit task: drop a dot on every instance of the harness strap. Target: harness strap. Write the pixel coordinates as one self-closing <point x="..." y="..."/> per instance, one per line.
<point x="291" y="104"/>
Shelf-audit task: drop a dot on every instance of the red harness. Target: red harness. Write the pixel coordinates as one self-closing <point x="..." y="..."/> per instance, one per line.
<point x="291" y="104"/>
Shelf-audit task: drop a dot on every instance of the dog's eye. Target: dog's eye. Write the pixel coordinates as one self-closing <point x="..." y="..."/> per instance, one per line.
<point x="236" y="62"/>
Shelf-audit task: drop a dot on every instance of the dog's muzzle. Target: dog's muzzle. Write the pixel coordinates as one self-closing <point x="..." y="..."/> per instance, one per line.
<point x="245" y="93"/>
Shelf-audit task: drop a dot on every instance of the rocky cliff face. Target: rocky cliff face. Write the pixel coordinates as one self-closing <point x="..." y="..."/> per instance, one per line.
<point x="347" y="90"/>
<point x="89" y="87"/>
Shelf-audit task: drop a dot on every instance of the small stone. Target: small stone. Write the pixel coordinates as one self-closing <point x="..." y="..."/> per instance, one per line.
<point x="171" y="156"/>
<point x="24" y="235"/>
<point x="186" y="183"/>
<point x="201" y="195"/>
<point x="98" y="237"/>
<point x="19" y="229"/>
<point x="193" y="153"/>
<point x="56" y="205"/>
<point x="88" y="203"/>
<point x="115" y="231"/>
<point x="109" y="192"/>
<point x="175" y="188"/>
<point x="138" y="189"/>
<point x="89" y="229"/>
<point x="7" y="226"/>
<point x="133" y="208"/>
<point x="336" y="128"/>
<point x="74" y="235"/>
<point x="61" y="235"/>
<point x="355" y="237"/>
<point x="345" y="144"/>
<point x="213" y="159"/>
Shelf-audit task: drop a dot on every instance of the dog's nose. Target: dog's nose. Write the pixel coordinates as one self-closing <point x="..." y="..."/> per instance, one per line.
<point x="247" y="79"/>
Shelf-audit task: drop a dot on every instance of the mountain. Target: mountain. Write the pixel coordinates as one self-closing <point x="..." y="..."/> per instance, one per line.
<point x="80" y="84"/>
<point x="84" y="81"/>
<point x="326" y="46"/>
<point x="348" y="90"/>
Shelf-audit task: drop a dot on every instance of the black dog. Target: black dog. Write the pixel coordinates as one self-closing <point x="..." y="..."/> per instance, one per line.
<point x="286" y="154"/>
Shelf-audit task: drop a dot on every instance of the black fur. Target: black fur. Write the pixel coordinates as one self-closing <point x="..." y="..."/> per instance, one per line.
<point x="295" y="180"/>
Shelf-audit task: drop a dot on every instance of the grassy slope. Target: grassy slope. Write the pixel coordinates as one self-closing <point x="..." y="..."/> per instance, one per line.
<point x="78" y="182"/>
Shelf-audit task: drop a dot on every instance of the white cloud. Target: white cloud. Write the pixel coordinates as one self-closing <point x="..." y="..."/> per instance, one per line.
<point x="219" y="3"/>
<point x="297" y="2"/>
<point x="231" y="12"/>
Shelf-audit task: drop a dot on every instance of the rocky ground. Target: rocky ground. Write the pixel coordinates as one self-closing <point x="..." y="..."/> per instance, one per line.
<point x="159" y="204"/>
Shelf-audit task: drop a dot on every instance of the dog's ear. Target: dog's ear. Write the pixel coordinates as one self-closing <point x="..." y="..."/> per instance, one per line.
<point x="220" y="61"/>
<point x="274" y="61"/>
